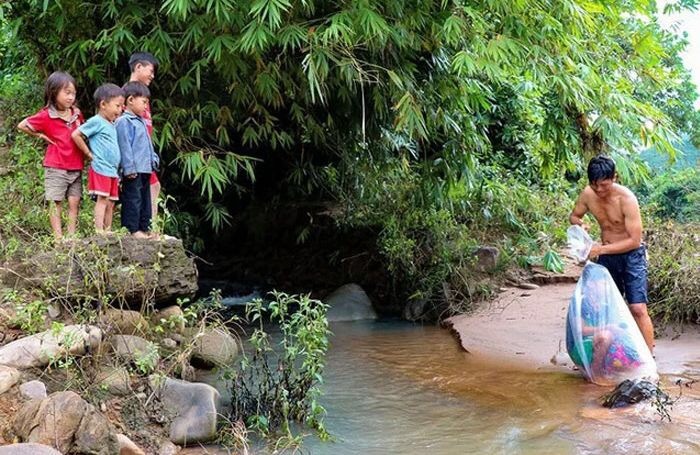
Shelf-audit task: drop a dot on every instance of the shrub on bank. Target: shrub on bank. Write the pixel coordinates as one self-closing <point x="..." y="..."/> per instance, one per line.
<point x="674" y="272"/>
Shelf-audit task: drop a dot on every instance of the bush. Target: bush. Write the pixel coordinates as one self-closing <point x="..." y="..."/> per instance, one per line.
<point x="279" y="383"/>
<point x="674" y="273"/>
<point x="675" y="195"/>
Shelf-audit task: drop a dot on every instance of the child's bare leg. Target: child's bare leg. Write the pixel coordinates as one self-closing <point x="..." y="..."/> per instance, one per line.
<point x="100" y="209"/>
<point x="73" y="207"/>
<point x="601" y="343"/>
<point x="109" y="213"/>
<point x="155" y="192"/>
<point x="55" y="219"/>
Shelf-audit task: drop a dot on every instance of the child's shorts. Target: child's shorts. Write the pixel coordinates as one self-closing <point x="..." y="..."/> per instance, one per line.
<point x="101" y="185"/>
<point x="60" y="184"/>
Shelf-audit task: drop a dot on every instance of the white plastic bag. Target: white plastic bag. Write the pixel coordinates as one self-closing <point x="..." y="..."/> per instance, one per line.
<point x="602" y="337"/>
<point x="580" y="243"/>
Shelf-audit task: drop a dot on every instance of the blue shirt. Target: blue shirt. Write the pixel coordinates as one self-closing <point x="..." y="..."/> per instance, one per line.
<point x="135" y="146"/>
<point x="102" y="137"/>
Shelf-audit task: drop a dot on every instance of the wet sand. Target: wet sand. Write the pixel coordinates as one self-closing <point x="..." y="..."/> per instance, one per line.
<point x="526" y="329"/>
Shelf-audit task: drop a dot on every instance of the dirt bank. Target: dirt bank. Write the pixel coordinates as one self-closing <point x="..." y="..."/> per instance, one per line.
<point x="526" y="328"/>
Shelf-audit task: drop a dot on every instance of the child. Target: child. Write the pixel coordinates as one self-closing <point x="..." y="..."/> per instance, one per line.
<point x="63" y="162"/>
<point x="138" y="161"/>
<point x="103" y="152"/>
<point x="143" y="66"/>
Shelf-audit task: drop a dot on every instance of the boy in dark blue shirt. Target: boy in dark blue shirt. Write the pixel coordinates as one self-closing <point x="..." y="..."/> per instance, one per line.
<point x="138" y="161"/>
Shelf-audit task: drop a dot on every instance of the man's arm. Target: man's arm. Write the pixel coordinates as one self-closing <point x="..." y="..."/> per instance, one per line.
<point x="633" y="226"/>
<point x="580" y="209"/>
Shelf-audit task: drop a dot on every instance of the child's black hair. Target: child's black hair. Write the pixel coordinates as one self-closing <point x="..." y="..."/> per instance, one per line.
<point x="601" y="168"/>
<point x="106" y="92"/>
<point x="135" y="88"/>
<point x="54" y="84"/>
<point x="144" y="58"/>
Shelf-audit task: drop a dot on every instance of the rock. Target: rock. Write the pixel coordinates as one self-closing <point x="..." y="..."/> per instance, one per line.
<point x="171" y="317"/>
<point x="349" y="303"/>
<point x="123" y="322"/>
<point x="137" y="270"/>
<point x="37" y="350"/>
<point x="633" y="391"/>
<point x="132" y="347"/>
<point x="95" y="435"/>
<point x="168" y="448"/>
<point x="214" y="379"/>
<point x="29" y="448"/>
<point x="54" y="310"/>
<point x="213" y="347"/>
<point x="486" y="258"/>
<point x="127" y="446"/>
<point x="560" y="359"/>
<point x="415" y="310"/>
<point x="8" y="377"/>
<point x="33" y="390"/>
<point x="193" y="407"/>
<point x="66" y="422"/>
<point x="115" y="379"/>
<point x="168" y="343"/>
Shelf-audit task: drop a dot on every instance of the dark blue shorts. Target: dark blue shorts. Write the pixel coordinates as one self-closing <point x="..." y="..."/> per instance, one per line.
<point x="629" y="270"/>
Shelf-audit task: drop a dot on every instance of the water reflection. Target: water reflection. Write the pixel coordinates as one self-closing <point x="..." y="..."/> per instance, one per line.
<point x="394" y="388"/>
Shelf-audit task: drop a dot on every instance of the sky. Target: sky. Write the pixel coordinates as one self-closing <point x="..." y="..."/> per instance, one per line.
<point x="688" y="21"/>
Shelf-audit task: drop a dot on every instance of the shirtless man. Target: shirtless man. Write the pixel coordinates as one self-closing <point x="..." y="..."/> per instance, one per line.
<point x="622" y="251"/>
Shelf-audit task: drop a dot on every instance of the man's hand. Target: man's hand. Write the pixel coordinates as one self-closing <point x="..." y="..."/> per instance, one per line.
<point x="131" y="176"/>
<point x="596" y="250"/>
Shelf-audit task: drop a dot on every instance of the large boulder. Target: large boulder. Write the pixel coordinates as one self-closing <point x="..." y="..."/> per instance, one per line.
<point x="128" y="269"/>
<point x="213" y="346"/>
<point x="192" y="406"/>
<point x="349" y="303"/>
<point x="37" y="350"/>
<point x="66" y="422"/>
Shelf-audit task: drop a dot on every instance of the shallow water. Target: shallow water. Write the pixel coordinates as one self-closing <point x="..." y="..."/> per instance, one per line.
<point x="397" y="388"/>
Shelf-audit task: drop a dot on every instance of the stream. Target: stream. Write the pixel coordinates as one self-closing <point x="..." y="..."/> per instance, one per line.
<point x="398" y="388"/>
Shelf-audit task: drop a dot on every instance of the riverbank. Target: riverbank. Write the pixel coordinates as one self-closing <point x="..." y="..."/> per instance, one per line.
<point x="526" y="329"/>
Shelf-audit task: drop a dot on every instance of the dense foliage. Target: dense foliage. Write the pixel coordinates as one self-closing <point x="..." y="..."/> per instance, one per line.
<point x="437" y="124"/>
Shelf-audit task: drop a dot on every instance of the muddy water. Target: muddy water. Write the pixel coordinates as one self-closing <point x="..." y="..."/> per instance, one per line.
<point x="395" y="388"/>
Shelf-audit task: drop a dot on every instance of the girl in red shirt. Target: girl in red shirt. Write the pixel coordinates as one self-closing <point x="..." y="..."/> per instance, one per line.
<point x="63" y="162"/>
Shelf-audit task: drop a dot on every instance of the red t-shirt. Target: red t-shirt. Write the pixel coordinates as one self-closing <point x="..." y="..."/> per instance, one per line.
<point x="63" y="153"/>
<point x="147" y="118"/>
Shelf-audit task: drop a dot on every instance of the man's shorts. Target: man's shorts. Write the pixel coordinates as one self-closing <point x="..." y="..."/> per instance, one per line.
<point x="101" y="185"/>
<point x="60" y="184"/>
<point x="629" y="270"/>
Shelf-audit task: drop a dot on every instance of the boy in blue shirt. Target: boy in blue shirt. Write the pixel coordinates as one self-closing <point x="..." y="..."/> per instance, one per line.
<point x="102" y="152"/>
<point x="138" y="161"/>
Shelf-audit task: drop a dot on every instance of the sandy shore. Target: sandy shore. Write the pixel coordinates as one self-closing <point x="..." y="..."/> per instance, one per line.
<point x="526" y="328"/>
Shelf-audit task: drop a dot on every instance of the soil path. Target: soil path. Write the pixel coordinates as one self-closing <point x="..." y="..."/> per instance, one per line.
<point x="526" y="328"/>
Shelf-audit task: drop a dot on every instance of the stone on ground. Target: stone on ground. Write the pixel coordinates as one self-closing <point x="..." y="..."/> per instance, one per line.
<point x="28" y="448"/>
<point x="349" y="303"/>
<point x="38" y="350"/>
<point x="8" y="377"/>
<point x="33" y="390"/>
<point x="214" y="347"/>
<point x="193" y="407"/>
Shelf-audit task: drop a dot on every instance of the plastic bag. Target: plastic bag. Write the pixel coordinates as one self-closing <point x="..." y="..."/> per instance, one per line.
<point x="602" y="337"/>
<point x="580" y="243"/>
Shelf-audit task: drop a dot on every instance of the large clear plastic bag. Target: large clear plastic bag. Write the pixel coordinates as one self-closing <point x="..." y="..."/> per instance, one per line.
<point x="602" y="337"/>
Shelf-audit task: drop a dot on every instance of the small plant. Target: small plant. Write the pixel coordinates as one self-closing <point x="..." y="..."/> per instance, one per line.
<point x="279" y="383"/>
<point x="146" y="362"/>
<point x="31" y="316"/>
